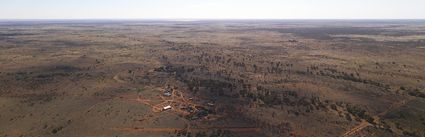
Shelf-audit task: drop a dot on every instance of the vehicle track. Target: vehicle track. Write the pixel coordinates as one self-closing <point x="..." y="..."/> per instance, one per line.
<point x="363" y="124"/>
<point x="232" y="129"/>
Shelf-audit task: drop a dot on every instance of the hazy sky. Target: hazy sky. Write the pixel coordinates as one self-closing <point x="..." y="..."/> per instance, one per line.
<point x="212" y="9"/>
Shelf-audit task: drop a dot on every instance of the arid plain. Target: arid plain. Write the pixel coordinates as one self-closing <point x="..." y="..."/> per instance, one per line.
<point x="217" y="78"/>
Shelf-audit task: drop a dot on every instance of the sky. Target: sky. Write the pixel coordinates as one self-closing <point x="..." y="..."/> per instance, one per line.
<point x="212" y="9"/>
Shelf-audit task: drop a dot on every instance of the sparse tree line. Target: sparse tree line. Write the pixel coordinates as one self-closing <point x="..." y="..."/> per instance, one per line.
<point x="228" y="75"/>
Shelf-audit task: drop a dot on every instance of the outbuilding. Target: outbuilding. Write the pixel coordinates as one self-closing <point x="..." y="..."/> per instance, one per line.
<point x="166" y="108"/>
<point x="167" y="94"/>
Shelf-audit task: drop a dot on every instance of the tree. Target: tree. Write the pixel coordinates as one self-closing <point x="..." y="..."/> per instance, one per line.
<point x="139" y="91"/>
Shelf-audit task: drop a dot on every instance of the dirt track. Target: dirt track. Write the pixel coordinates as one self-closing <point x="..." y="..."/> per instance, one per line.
<point x="233" y="129"/>
<point x="363" y="124"/>
<point x="356" y="129"/>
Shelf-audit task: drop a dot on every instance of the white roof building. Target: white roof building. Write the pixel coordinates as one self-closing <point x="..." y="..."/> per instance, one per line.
<point x="167" y="107"/>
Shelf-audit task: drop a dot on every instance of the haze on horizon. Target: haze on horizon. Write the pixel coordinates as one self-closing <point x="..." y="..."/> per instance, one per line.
<point x="212" y="9"/>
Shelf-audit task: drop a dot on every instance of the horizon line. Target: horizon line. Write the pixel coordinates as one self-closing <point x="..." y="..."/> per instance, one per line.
<point x="210" y="19"/>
